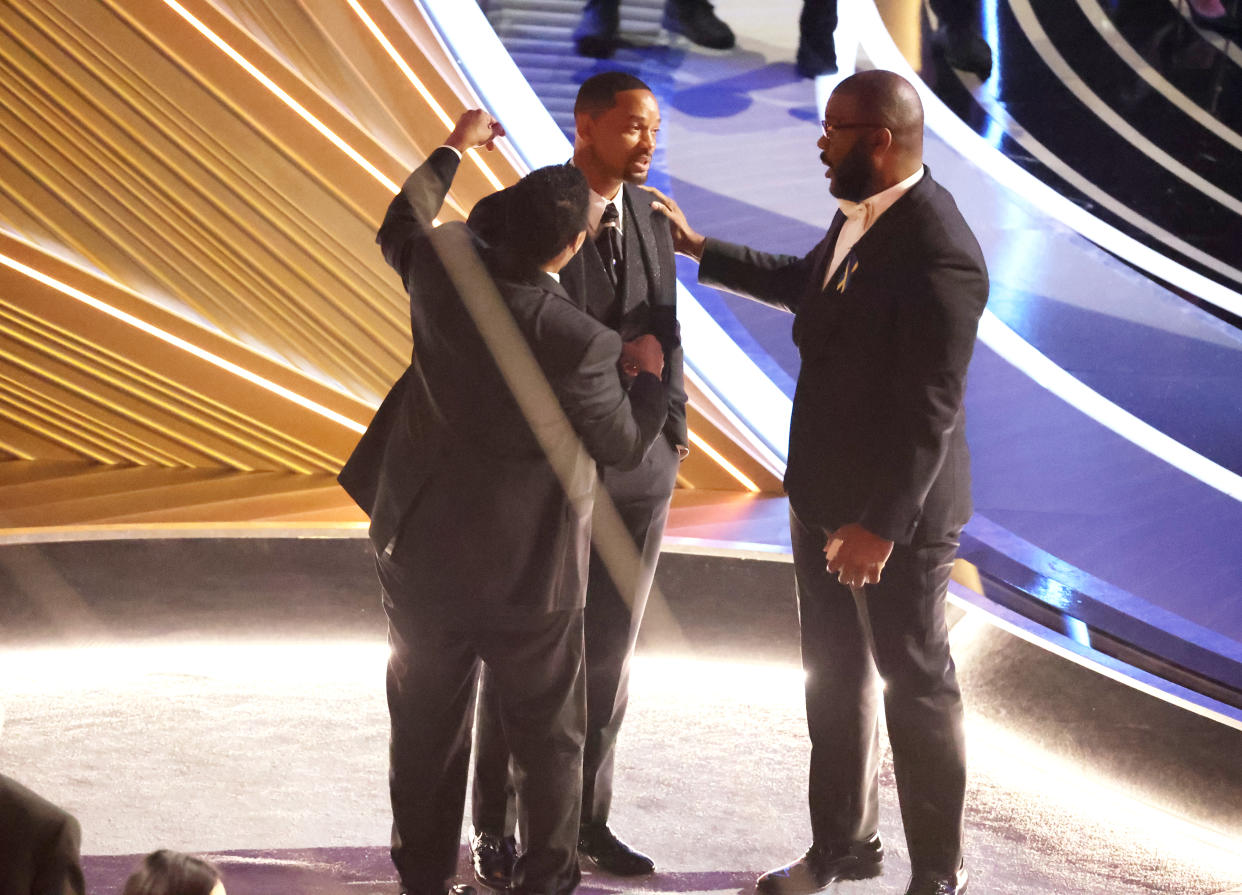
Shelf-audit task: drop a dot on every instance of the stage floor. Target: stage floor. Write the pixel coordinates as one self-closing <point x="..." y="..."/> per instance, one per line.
<point x="226" y="697"/>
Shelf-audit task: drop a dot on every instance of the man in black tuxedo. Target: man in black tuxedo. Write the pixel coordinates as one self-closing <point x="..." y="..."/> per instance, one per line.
<point x="478" y="473"/>
<point x="625" y="277"/>
<point x="886" y="311"/>
<point x="39" y="845"/>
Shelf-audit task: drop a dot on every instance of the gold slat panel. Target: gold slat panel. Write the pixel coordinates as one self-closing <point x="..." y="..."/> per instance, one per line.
<point x="143" y="166"/>
<point x="99" y="487"/>
<point x="239" y="498"/>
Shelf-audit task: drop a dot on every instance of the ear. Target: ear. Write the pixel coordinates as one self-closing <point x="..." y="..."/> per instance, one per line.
<point x="882" y="141"/>
<point x="578" y="243"/>
<point x="583" y="128"/>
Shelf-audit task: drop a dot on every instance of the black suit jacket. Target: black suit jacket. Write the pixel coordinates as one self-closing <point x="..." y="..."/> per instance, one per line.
<point x="453" y="476"/>
<point x="39" y="845"/>
<point x="649" y="290"/>
<point x="878" y="430"/>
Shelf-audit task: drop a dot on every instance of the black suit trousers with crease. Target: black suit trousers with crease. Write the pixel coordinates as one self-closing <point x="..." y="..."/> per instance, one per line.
<point x="922" y="701"/>
<point x="432" y="675"/>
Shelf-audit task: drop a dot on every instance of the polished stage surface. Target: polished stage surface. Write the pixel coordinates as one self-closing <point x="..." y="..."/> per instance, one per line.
<point x="225" y="696"/>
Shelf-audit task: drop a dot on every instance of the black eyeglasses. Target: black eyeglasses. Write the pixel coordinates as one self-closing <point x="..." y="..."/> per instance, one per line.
<point x="829" y="128"/>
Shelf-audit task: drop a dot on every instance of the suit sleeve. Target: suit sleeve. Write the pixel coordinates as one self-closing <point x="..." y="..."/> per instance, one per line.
<point x="411" y="211"/>
<point x="776" y="280"/>
<point x="935" y="341"/>
<point x="616" y="427"/>
<point x="674" y="373"/>
<point x="60" y="870"/>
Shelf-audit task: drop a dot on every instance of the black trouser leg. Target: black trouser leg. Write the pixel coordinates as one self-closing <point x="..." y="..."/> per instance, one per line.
<point x="922" y="703"/>
<point x="539" y="678"/>
<point x="614" y="614"/>
<point x="492" y="807"/>
<point x="842" y="699"/>
<point x="431" y="679"/>
<point x="923" y="707"/>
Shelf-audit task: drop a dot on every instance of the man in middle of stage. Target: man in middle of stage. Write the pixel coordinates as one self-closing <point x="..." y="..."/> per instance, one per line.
<point x="625" y="277"/>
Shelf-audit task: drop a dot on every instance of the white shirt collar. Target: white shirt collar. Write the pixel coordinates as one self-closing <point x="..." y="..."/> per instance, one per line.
<point x="595" y="210"/>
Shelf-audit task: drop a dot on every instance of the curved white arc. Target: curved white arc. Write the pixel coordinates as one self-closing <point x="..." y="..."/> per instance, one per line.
<point x="1031" y="361"/>
<point x="1229" y="48"/>
<point x="883" y="53"/>
<point x="485" y="61"/>
<point x="1053" y="162"/>
<point x="1152" y="76"/>
<point x="1065" y="72"/>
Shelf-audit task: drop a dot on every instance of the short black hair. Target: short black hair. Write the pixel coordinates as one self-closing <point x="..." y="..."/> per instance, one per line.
<point x="598" y="93"/>
<point x="546" y="210"/>
<point x="166" y="872"/>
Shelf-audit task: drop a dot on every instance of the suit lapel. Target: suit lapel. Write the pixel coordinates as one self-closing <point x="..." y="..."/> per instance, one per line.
<point x="642" y="274"/>
<point x="828" y="246"/>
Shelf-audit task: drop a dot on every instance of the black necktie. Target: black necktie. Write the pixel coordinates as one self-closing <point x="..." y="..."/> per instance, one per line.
<point x="608" y="241"/>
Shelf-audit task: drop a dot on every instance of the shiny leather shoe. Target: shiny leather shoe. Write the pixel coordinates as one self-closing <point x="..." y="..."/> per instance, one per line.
<point x="493" y="858"/>
<point x="610" y="854"/>
<point x="823" y="865"/>
<point x="462" y="889"/>
<point x="935" y="884"/>
<point x="698" y="22"/>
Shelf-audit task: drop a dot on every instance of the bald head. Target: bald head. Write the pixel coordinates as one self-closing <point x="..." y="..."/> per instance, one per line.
<point x="889" y="101"/>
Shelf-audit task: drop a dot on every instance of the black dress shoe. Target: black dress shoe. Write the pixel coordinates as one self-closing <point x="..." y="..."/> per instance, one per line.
<point x="965" y="49"/>
<point x="697" y="21"/>
<point x="493" y="858"/>
<point x="938" y="884"/>
<point x="610" y="854"/>
<point x="823" y="865"/>
<point x="462" y="889"/>
<point x="596" y="34"/>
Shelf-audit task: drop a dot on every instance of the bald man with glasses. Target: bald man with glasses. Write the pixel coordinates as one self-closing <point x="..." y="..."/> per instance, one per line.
<point x="886" y="311"/>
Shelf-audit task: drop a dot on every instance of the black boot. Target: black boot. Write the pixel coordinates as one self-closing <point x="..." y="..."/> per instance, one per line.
<point x="697" y="21"/>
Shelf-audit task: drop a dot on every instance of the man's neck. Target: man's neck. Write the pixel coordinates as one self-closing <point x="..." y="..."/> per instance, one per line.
<point x="600" y="184"/>
<point x="891" y="179"/>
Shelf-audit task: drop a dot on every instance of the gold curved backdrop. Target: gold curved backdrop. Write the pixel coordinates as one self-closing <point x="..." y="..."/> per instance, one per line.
<point x="195" y="324"/>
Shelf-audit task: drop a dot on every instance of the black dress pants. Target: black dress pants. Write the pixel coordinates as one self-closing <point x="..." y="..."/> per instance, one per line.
<point x="922" y="702"/>
<point x="612" y="620"/>
<point x="432" y="675"/>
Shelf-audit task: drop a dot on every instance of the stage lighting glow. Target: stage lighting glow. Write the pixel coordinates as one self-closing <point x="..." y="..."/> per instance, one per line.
<point x="1107" y="802"/>
<point x="284" y="97"/>
<point x="182" y="344"/>
<point x="697" y="441"/>
<point x="400" y="62"/>
<point x="101" y="665"/>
